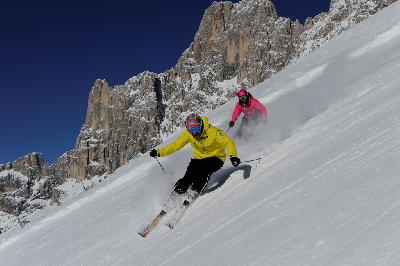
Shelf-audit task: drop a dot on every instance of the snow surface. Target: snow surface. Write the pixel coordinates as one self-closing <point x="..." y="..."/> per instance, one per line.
<point x="327" y="191"/>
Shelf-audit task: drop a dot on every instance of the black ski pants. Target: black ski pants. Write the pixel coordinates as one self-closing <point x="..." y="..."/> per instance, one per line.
<point x="197" y="174"/>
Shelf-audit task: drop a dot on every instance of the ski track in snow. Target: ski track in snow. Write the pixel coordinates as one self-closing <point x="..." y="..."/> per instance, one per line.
<point x="354" y="240"/>
<point x="239" y="216"/>
<point x="307" y="78"/>
<point x="380" y="40"/>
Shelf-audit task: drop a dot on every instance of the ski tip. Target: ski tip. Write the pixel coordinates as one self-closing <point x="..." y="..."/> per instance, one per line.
<point x="142" y="234"/>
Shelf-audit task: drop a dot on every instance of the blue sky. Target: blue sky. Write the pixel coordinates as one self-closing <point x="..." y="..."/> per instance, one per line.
<point x="51" y="52"/>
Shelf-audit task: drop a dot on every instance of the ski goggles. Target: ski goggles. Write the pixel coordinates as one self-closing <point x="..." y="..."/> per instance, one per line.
<point x="196" y="131"/>
<point x="242" y="98"/>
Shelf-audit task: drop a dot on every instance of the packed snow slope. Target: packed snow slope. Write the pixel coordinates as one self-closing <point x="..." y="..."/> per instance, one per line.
<point x="327" y="191"/>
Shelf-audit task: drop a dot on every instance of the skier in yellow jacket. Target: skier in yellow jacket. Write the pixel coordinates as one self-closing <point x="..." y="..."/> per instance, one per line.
<point x="209" y="144"/>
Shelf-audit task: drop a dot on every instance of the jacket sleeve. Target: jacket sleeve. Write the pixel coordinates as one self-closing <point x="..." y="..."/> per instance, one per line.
<point x="176" y="145"/>
<point x="224" y="140"/>
<point x="236" y="112"/>
<point x="260" y="108"/>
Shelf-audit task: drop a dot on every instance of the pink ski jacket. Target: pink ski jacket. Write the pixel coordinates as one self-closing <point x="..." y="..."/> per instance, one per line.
<point x="254" y="109"/>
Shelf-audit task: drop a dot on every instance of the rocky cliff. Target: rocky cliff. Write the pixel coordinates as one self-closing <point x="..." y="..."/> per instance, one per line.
<point x="236" y="45"/>
<point x="342" y="15"/>
<point x="27" y="184"/>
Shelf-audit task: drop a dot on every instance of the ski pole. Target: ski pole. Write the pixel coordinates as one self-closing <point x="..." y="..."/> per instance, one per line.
<point x="227" y="130"/>
<point x="258" y="159"/>
<point x="159" y="164"/>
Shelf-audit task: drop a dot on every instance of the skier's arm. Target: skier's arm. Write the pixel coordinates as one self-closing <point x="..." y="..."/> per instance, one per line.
<point x="260" y="108"/>
<point x="236" y="112"/>
<point x="224" y="140"/>
<point x="176" y="145"/>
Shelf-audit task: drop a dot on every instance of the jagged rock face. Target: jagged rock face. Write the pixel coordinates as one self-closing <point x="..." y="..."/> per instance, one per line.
<point x="246" y="40"/>
<point x="342" y="15"/>
<point x="26" y="183"/>
<point x="118" y="126"/>
<point x="31" y="165"/>
<point x="13" y="191"/>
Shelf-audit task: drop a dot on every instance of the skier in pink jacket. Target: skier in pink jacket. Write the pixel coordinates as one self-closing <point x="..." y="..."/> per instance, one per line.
<point x="253" y="111"/>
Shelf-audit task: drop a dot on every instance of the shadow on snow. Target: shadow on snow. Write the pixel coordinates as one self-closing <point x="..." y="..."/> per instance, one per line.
<point x="219" y="178"/>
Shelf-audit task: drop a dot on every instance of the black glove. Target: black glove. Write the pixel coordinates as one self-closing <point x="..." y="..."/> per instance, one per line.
<point x="154" y="153"/>
<point x="231" y="124"/>
<point x="235" y="161"/>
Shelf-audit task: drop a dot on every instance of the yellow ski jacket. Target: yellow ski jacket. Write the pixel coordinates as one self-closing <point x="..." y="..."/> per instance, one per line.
<point x="212" y="143"/>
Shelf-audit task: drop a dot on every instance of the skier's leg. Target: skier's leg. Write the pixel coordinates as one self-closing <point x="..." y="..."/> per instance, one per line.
<point x="178" y="195"/>
<point x="255" y="122"/>
<point x="190" y="196"/>
<point x="182" y="185"/>
<point x="174" y="200"/>
<point x="251" y="126"/>
<point x="241" y="132"/>
<point x="206" y="168"/>
<point x="199" y="175"/>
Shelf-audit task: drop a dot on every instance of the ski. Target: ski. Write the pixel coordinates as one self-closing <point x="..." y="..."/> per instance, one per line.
<point x="175" y="206"/>
<point x="174" y="220"/>
<point x="143" y="233"/>
<point x="173" y="202"/>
